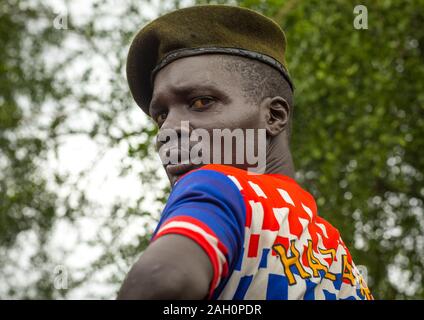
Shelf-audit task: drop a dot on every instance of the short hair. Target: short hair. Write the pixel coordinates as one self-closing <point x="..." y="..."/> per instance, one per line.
<point x="259" y="81"/>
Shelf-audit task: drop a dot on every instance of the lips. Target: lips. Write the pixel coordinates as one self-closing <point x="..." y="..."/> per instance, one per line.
<point x="180" y="168"/>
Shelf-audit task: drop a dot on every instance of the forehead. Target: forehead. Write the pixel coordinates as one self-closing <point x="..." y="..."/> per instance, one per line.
<point x="201" y="70"/>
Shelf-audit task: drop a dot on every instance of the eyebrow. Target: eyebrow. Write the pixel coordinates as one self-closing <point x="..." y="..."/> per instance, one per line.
<point x="183" y="90"/>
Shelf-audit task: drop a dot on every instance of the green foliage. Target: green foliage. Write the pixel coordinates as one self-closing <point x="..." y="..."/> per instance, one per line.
<point x="357" y="136"/>
<point x="43" y="89"/>
<point x="24" y="202"/>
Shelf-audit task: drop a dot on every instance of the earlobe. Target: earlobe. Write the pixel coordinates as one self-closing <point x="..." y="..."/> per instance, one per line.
<point x="277" y="116"/>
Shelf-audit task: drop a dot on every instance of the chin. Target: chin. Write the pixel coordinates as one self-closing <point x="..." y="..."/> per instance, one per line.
<point x="173" y="179"/>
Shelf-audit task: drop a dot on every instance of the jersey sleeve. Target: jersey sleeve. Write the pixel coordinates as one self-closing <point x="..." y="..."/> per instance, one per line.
<point x="207" y="207"/>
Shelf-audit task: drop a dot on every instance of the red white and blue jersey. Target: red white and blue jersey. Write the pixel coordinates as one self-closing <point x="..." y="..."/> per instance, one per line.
<point x="262" y="235"/>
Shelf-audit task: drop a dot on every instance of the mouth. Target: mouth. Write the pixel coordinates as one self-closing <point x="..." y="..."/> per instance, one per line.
<point x="179" y="169"/>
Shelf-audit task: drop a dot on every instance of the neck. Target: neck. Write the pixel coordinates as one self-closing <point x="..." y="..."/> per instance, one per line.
<point x="279" y="158"/>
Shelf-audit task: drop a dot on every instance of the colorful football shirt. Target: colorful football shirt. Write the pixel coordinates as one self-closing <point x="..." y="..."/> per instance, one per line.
<point x="262" y="235"/>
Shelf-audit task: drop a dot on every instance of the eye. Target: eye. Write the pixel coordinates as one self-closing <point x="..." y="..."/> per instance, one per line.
<point x="161" y="117"/>
<point x="201" y="102"/>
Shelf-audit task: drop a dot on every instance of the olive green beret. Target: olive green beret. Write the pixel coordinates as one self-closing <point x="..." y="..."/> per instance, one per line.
<point x="198" y="30"/>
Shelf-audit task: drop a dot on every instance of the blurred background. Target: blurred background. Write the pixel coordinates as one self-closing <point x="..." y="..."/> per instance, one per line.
<point x="81" y="187"/>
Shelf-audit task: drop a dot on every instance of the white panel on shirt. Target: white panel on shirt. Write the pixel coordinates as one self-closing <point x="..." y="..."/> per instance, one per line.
<point x="285" y="195"/>
<point x="282" y="215"/>
<point x="305" y="236"/>
<point x="297" y="291"/>
<point x="257" y="189"/>
<point x="236" y="182"/>
<point x="257" y="217"/>
<point x="322" y="227"/>
<point x="307" y="210"/>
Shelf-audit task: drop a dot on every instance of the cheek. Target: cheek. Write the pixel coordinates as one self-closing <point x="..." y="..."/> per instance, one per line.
<point x="233" y="116"/>
<point x="244" y="116"/>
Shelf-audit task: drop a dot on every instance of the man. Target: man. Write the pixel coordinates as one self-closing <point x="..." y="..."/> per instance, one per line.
<point x="225" y="232"/>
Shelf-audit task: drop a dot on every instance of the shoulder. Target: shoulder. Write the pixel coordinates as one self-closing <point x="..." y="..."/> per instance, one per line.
<point x="207" y="179"/>
<point x="208" y="191"/>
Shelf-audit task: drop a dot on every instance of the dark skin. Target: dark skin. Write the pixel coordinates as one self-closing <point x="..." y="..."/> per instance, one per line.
<point x="195" y="89"/>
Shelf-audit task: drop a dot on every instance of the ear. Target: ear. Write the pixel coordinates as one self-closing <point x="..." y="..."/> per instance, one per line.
<point x="277" y="112"/>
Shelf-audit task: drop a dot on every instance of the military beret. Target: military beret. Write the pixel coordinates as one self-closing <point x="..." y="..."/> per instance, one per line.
<point x="203" y="29"/>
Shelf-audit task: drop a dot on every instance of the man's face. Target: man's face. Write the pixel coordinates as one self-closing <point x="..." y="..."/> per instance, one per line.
<point x="198" y="90"/>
